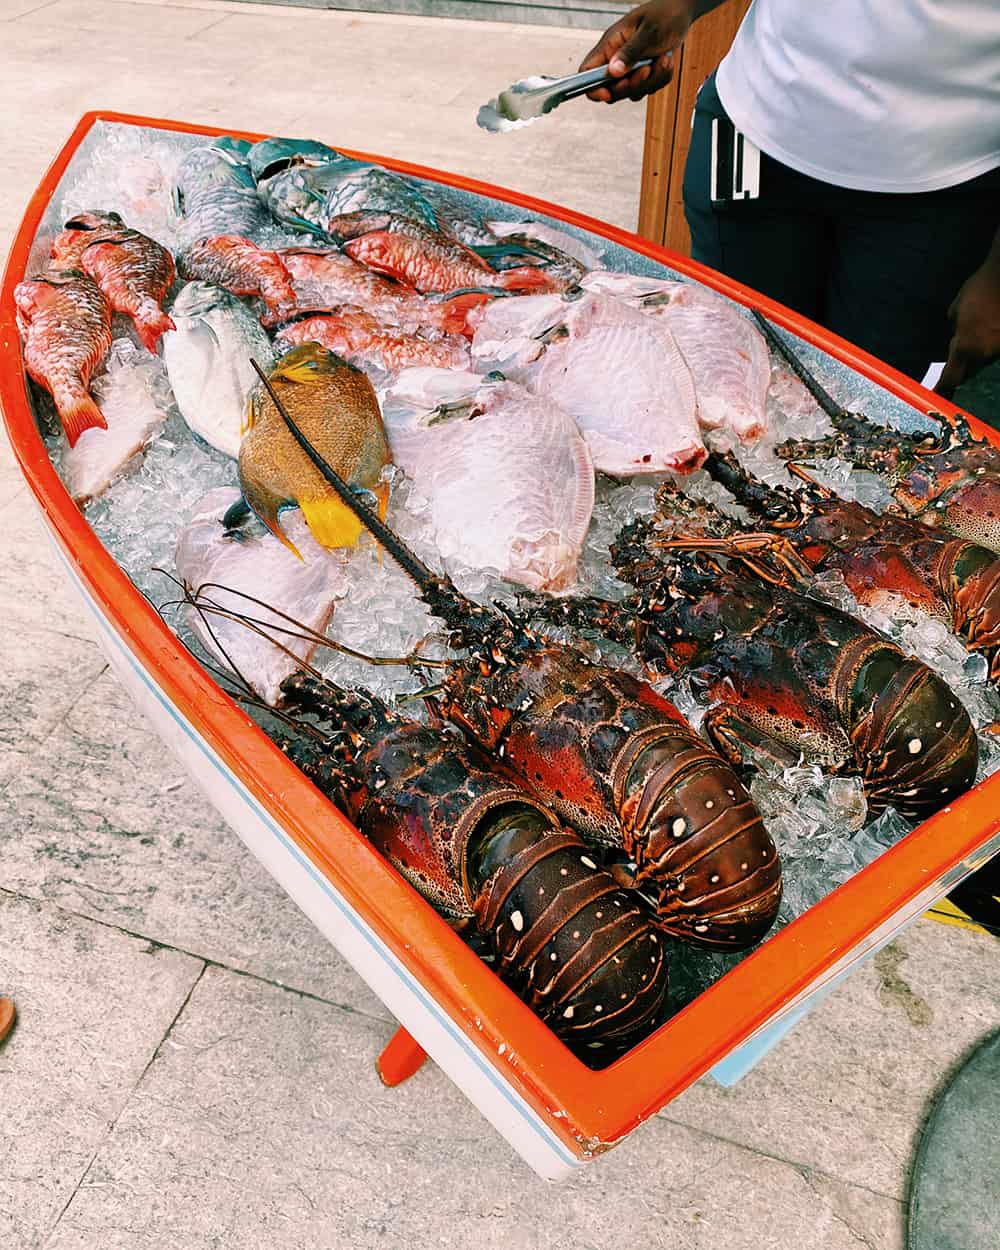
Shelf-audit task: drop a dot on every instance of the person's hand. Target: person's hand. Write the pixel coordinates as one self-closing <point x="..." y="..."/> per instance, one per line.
<point x="975" y="319"/>
<point x="652" y="30"/>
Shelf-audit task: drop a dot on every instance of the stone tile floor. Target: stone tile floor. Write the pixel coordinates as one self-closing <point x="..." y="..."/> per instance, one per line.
<point x="193" y="1065"/>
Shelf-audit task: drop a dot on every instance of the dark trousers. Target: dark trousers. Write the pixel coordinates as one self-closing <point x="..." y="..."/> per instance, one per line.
<point x="879" y="269"/>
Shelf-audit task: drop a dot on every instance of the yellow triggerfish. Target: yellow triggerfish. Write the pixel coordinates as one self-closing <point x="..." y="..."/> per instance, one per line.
<point x="337" y="410"/>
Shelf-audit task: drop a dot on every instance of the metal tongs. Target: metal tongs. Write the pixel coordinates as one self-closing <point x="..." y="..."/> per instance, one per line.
<point x="525" y="101"/>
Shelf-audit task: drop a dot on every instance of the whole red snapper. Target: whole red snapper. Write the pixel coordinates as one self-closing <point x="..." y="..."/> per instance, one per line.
<point x="65" y="323"/>
<point x="134" y="272"/>
<point x="425" y="258"/>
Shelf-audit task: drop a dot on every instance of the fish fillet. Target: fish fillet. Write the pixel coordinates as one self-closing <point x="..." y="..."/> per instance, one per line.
<point x="726" y="353"/>
<point x="257" y="564"/>
<point x="622" y="377"/>
<point x="508" y="477"/>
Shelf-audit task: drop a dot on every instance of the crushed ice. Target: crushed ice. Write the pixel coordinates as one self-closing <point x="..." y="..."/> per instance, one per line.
<point x="818" y="822"/>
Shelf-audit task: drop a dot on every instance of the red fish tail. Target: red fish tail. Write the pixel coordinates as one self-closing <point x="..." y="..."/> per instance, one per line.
<point x="78" y="412"/>
<point x="526" y="278"/>
<point x="150" y="323"/>
<point x="454" y="318"/>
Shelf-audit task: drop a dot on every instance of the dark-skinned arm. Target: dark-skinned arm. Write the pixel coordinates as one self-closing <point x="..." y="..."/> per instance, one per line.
<point x="655" y="30"/>
<point x="975" y="322"/>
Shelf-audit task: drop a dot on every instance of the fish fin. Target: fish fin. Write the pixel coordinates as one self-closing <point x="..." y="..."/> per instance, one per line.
<point x="381" y="493"/>
<point x="265" y="507"/>
<point x="150" y="324"/>
<point x="527" y="278"/>
<point x="331" y="522"/>
<point x="80" y="413"/>
<point x="496" y="251"/>
<point x="455" y="312"/>
<point x="236" y="514"/>
<point x="249" y="416"/>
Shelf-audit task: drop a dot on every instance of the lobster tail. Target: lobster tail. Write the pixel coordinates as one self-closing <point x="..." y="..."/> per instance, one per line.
<point x="586" y="955"/>
<point x="697" y="839"/>
<point x="914" y="741"/>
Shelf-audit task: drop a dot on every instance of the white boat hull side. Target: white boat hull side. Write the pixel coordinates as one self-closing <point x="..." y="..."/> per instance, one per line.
<point x="482" y="1083"/>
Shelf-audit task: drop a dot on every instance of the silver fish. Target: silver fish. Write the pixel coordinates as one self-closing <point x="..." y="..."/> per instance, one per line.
<point x="307" y="197"/>
<point x="208" y="361"/>
<point x="256" y="563"/>
<point x="215" y="192"/>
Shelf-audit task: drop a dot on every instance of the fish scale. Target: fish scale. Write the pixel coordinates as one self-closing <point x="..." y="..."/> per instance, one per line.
<point x="335" y="405"/>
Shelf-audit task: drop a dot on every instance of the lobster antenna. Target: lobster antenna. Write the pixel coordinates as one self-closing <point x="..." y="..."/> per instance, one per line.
<point x="404" y="557"/>
<point x="297" y="629"/>
<point x="821" y="396"/>
<point x="243" y="692"/>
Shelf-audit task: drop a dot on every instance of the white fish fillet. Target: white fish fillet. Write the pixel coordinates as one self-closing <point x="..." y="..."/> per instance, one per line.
<point x="135" y="399"/>
<point x="208" y="361"/>
<point x="622" y="377"/>
<point x="508" y="331"/>
<point x="508" y="477"/>
<point x="258" y="565"/>
<point x="727" y="354"/>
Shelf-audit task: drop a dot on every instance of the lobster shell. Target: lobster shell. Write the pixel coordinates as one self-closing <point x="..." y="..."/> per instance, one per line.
<point x="618" y="762"/>
<point x="586" y="954"/>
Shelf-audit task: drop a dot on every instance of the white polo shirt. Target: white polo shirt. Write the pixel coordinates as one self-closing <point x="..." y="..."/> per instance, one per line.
<point x="876" y="95"/>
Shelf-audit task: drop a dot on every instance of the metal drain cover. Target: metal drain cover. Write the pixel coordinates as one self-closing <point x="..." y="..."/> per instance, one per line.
<point x="955" y="1191"/>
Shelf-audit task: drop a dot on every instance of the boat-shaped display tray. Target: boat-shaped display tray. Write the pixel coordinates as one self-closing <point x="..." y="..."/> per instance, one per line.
<point x="552" y="1108"/>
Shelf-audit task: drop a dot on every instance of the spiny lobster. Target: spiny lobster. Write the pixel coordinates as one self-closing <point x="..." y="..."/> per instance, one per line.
<point x="812" y="530"/>
<point x="947" y="480"/>
<point x="605" y="752"/>
<point x="585" y="954"/>
<point x="784" y="676"/>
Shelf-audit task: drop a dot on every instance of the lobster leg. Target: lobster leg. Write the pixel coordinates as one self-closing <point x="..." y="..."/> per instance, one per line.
<point x="729" y="733"/>
<point x="789" y="567"/>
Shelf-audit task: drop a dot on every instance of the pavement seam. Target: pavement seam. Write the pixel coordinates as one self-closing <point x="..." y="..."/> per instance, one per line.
<point x="805" y="1169"/>
<point x="113" y="1123"/>
<point x="807" y="1175"/>
<point x="60" y="719"/>
<point x="207" y="960"/>
<point x="28" y="13"/>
